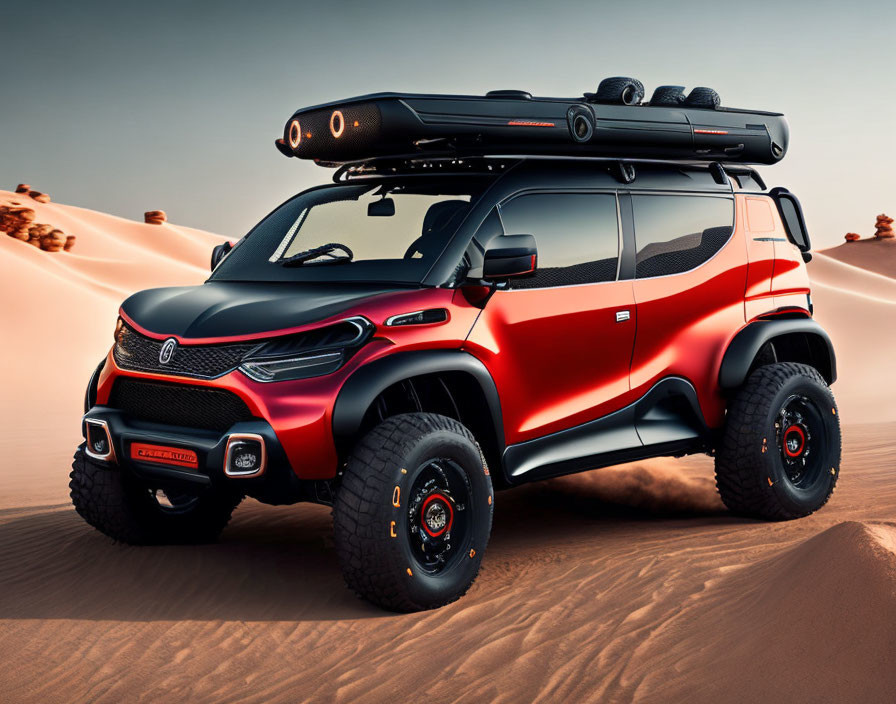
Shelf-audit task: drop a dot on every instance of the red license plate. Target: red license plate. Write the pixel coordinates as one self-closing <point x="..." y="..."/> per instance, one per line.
<point x="164" y="455"/>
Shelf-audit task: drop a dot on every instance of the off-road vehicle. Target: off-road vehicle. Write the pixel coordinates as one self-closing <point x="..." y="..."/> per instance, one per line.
<point x="494" y="290"/>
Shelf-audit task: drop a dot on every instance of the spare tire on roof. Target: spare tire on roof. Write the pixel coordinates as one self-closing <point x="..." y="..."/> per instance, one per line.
<point x="703" y="98"/>
<point x="668" y="95"/>
<point x="619" y="90"/>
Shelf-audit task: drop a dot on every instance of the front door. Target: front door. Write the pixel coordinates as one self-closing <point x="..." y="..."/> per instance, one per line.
<point x="559" y="344"/>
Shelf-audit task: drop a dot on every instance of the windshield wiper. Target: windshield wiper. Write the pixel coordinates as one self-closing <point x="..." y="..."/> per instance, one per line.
<point x="325" y="250"/>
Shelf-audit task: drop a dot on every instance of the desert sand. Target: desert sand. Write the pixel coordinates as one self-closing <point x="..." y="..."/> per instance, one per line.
<point x="624" y="584"/>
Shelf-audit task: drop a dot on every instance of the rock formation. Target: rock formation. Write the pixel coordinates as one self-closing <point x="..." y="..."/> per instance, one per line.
<point x="23" y="188"/>
<point x="18" y="221"/>
<point x="155" y="217"/>
<point x="39" y="197"/>
<point x="852" y="237"/>
<point x="884" y="227"/>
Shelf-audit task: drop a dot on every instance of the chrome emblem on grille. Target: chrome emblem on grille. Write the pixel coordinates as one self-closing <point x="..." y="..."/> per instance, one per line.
<point x="167" y="351"/>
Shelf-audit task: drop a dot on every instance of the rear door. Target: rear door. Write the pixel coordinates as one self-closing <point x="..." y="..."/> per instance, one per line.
<point x="559" y="344"/>
<point x="690" y="276"/>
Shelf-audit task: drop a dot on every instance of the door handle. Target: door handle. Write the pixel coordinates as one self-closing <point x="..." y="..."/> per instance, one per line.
<point x="623" y="315"/>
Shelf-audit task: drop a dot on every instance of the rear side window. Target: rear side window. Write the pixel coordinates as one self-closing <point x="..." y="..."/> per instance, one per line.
<point x="679" y="233"/>
<point x="577" y="235"/>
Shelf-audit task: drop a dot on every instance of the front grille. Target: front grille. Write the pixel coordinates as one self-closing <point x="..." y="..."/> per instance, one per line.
<point x="178" y="404"/>
<point x="139" y="353"/>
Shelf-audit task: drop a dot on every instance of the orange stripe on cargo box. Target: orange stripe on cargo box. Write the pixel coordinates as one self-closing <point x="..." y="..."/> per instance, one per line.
<point x="164" y="455"/>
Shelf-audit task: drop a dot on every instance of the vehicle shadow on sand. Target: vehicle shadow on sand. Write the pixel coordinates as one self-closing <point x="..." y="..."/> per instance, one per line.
<point x="278" y="563"/>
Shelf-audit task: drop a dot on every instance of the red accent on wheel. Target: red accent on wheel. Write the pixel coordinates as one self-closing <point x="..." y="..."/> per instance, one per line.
<point x="444" y="501"/>
<point x="789" y="432"/>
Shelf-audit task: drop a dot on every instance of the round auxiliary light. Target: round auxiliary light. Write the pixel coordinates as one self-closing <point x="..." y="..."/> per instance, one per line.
<point x="295" y="134"/>
<point x="581" y="123"/>
<point x="337" y="124"/>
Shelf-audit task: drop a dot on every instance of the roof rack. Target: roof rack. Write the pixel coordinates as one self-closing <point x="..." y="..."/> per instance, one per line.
<point x="613" y="122"/>
<point x="623" y="170"/>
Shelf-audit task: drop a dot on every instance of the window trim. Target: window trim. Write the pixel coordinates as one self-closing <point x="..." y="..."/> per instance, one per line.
<point x="694" y="194"/>
<point x="567" y="191"/>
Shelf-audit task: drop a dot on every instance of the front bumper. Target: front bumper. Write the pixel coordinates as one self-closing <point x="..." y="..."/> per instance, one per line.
<point x="276" y="482"/>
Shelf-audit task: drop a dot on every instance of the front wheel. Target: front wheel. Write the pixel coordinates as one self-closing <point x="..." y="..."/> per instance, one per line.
<point x="780" y="452"/>
<point x="413" y="514"/>
<point x="130" y="512"/>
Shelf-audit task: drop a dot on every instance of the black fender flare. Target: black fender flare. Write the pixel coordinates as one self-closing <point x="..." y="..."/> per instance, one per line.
<point x="748" y="342"/>
<point x="92" y="386"/>
<point x="369" y="381"/>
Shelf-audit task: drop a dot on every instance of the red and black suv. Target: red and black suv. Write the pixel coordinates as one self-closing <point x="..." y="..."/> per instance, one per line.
<point x="429" y="328"/>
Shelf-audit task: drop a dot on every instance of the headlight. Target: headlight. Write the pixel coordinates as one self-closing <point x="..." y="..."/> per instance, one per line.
<point x="294" y="368"/>
<point x="309" y="354"/>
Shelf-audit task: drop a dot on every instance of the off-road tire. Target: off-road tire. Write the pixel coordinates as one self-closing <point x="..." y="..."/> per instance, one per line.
<point x="668" y="96"/>
<point x="372" y="515"/>
<point x="751" y="474"/>
<point x="705" y="98"/>
<point x="128" y="512"/>
<point x="620" y="90"/>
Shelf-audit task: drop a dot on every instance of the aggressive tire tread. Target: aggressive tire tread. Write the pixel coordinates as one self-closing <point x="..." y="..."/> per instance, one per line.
<point x="125" y="511"/>
<point x="742" y="482"/>
<point x="363" y="543"/>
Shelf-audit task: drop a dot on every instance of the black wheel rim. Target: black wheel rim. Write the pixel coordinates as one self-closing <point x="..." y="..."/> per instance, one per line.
<point x="802" y="441"/>
<point x="439" y="515"/>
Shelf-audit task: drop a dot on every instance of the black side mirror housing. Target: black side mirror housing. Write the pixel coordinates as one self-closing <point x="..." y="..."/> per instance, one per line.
<point x="508" y="256"/>
<point x="219" y="252"/>
<point x="384" y="208"/>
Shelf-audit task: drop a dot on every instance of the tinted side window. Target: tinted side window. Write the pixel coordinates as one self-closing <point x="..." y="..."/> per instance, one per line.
<point x="576" y="233"/>
<point x="679" y="233"/>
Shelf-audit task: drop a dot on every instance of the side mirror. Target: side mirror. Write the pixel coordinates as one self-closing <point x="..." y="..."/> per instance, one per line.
<point x="384" y="208"/>
<point x="219" y="252"/>
<point x="508" y="256"/>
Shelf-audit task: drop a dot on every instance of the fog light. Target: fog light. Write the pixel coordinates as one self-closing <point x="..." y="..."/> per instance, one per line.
<point x="99" y="442"/>
<point x="245" y="455"/>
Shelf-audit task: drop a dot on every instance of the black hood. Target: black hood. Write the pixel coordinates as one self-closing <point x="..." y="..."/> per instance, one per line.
<point x="227" y="309"/>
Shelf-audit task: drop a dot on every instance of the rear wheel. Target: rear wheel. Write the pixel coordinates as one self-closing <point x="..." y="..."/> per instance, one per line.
<point x="780" y="452"/>
<point x="413" y="513"/>
<point x="128" y="511"/>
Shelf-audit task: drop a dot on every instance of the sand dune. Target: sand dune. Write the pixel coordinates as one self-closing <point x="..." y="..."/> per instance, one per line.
<point x="871" y="254"/>
<point x="60" y="308"/>
<point x="625" y="584"/>
<point x="829" y="602"/>
<point x="858" y="309"/>
<point x="583" y="597"/>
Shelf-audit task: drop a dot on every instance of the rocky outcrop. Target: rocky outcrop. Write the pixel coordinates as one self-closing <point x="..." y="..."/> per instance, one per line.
<point x="155" y="217"/>
<point x="17" y="220"/>
<point x="884" y="227"/>
<point x="852" y="237"/>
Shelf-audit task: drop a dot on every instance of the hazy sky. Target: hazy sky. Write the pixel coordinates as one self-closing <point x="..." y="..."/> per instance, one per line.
<point x="125" y="107"/>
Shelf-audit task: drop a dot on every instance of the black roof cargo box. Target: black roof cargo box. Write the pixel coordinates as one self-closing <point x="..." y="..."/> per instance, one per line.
<point x="513" y="122"/>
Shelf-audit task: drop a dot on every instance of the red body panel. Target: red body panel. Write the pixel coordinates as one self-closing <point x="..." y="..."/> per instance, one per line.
<point x="777" y="277"/>
<point x="557" y="355"/>
<point x="685" y="322"/>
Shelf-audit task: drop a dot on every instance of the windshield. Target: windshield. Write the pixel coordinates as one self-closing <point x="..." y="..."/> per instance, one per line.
<point x="386" y="231"/>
